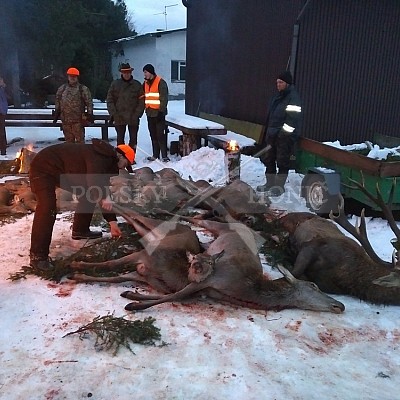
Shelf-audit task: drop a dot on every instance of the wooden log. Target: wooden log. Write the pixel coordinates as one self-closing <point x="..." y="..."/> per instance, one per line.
<point x="9" y="167"/>
<point x="189" y="144"/>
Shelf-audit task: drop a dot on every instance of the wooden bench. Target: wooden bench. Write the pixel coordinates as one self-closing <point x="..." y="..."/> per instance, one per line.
<point x="193" y="129"/>
<point x="44" y="118"/>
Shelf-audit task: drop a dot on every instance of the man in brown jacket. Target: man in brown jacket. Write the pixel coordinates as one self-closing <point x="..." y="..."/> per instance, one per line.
<point x="83" y="169"/>
<point x="125" y="103"/>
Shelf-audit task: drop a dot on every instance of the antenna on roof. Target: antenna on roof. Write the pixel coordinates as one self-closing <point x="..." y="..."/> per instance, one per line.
<point x="165" y="13"/>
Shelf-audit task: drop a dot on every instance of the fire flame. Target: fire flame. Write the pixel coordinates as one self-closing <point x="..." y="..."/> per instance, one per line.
<point x="24" y="158"/>
<point x="30" y="147"/>
<point x="232" y="145"/>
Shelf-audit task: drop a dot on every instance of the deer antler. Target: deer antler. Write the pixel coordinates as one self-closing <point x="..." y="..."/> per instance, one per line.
<point x="378" y="200"/>
<point x="203" y="196"/>
<point x="387" y="212"/>
<point x="359" y="231"/>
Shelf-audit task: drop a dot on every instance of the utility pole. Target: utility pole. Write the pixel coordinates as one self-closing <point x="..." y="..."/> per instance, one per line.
<point x="165" y="13"/>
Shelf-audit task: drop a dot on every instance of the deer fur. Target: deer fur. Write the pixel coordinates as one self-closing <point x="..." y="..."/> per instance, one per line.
<point x="165" y="190"/>
<point x="9" y="203"/>
<point x="230" y="271"/>
<point x="162" y="263"/>
<point x="334" y="261"/>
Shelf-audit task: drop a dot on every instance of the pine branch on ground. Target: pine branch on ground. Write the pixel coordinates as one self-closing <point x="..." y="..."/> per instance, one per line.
<point x="113" y="332"/>
<point x="101" y="250"/>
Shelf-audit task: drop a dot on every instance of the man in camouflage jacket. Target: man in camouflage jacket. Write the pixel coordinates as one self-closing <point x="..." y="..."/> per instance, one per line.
<point x="74" y="107"/>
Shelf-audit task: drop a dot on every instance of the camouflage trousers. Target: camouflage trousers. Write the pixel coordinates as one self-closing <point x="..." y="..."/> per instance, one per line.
<point x="74" y="132"/>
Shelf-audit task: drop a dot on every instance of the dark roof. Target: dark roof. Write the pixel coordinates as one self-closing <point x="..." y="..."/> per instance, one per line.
<point x="157" y="33"/>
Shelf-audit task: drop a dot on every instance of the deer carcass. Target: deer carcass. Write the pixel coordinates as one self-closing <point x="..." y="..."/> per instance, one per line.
<point x="237" y="277"/>
<point x="145" y="190"/>
<point x="162" y="263"/>
<point x="9" y="204"/>
<point x="335" y="262"/>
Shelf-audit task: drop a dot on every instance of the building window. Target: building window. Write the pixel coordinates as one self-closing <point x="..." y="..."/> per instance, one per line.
<point x="178" y="71"/>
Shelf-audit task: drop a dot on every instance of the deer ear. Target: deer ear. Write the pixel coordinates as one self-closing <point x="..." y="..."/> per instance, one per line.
<point x="391" y="280"/>
<point x="217" y="256"/>
<point x="189" y="256"/>
<point x="288" y="276"/>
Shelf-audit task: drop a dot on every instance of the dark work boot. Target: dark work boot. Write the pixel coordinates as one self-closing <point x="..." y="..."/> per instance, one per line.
<point x="41" y="263"/>
<point x="269" y="184"/>
<point x="279" y="188"/>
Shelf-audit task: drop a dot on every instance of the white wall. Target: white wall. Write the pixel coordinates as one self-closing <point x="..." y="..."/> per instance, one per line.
<point x="158" y="51"/>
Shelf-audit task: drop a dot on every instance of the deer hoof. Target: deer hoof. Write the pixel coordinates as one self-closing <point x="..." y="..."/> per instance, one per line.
<point x="136" y="306"/>
<point x="127" y="294"/>
<point x="130" y="307"/>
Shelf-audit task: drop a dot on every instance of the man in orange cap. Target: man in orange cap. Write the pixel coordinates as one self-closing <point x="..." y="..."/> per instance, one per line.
<point x="74" y="107"/>
<point x="83" y="169"/>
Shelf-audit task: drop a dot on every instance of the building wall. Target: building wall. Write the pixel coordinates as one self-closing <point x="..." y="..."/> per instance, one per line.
<point x="345" y="69"/>
<point x="157" y="49"/>
<point x="348" y="69"/>
<point x="234" y="58"/>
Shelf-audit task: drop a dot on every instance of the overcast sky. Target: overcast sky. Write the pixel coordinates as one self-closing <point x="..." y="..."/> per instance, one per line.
<point x="149" y="15"/>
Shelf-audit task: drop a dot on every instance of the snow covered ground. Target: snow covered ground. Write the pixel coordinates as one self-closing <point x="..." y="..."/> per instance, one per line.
<point x="215" y="351"/>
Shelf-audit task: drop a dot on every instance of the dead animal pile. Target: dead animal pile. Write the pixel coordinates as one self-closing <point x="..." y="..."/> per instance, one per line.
<point x="145" y="191"/>
<point x="228" y="271"/>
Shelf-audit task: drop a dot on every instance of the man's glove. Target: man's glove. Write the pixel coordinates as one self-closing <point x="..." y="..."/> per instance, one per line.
<point x="56" y="115"/>
<point x="160" y="116"/>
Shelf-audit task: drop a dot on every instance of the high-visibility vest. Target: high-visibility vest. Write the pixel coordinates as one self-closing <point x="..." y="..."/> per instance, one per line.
<point x="151" y="94"/>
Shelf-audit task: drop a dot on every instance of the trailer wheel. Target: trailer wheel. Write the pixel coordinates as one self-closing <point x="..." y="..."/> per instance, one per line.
<point x="315" y="192"/>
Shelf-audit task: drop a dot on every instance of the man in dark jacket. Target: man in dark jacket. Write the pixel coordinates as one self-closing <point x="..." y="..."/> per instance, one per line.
<point x="83" y="169"/>
<point x="3" y="114"/>
<point x="125" y="103"/>
<point x="282" y="132"/>
<point x="156" y="101"/>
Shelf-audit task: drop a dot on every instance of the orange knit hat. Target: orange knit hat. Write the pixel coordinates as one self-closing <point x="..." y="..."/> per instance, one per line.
<point x="73" y="71"/>
<point x="127" y="151"/>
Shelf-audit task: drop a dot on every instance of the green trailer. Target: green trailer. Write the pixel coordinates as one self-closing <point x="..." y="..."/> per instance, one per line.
<point x="327" y="172"/>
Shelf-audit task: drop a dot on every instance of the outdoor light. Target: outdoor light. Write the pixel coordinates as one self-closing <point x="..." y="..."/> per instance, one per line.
<point x="232" y="161"/>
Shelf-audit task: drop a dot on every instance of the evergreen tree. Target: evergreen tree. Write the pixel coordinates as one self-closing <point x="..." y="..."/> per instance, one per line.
<point x="45" y="37"/>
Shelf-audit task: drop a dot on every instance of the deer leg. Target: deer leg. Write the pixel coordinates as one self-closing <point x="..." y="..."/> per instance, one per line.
<point x="129" y="259"/>
<point x="131" y="276"/>
<point x="305" y="258"/>
<point x="182" y="294"/>
<point x="139" y="297"/>
<point x="148" y="228"/>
